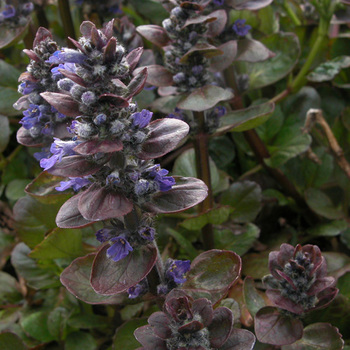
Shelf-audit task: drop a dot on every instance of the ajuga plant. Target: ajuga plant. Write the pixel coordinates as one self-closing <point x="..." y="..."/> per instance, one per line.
<point x="298" y="284"/>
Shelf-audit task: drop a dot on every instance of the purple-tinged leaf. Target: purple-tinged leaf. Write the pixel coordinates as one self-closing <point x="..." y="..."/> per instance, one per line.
<point x="164" y="136"/>
<point x="43" y="186"/>
<point x="96" y="38"/>
<point x="204" y="308"/>
<point x="25" y="138"/>
<point x="158" y="75"/>
<point x="110" y="50"/>
<point x="69" y="215"/>
<point x="96" y="146"/>
<point x="221" y="62"/>
<point x="204" y="98"/>
<point x="285" y="253"/>
<point x="167" y="90"/>
<point x="41" y="35"/>
<point x="240" y="339"/>
<point x="77" y="45"/>
<point x="109" y="277"/>
<point x="21" y="103"/>
<point x="217" y="26"/>
<point x="201" y="19"/>
<point x="75" y="166"/>
<point x="32" y="55"/>
<point x="137" y="83"/>
<point x="191" y="6"/>
<point x="283" y="302"/>
<point x="72" y="76"/>
<point x="214" y="272"/>
<point x="160" y="322"/>
<point x="318" y="336"/>
<point x="100" y="203"/>
<point x="115" y="100"/>
<point x="133" y="57"/>
<point x="155" y="34"/>
<point x="221" y="326"/>
<point x="251" y="50"/>
<point x="10" y="36"/>
<point x="187" y="193"/>
<point x="65" y="104"/>
<point x="273" y="328"/>
<point x="86" y="28"/>
<point x="148" y="339"/>
<point x="321" y="284"/>
<point x="191" y="327"/>
<point x="76" y="278"/>
<point x="202" y="49"/>
<point x="248" y="4"/>
<point x="165" y="104"/>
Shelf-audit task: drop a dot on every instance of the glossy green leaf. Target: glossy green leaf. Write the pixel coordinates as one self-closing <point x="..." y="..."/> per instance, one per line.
<point x="183" y="242"/>
<point x="9" y="289"/>
<point x="252" y="298"/>
<point x="344" y="285"/>
<point x="8" y="96"/>
<point x="345" y="237"/>
<point x="321" y="204"/>
<point x="286" y="49"/>
<point x="8" y="74"/>
<point x="36" y="276"/>
<point x="331" y="229"/>
<point x="256" y="265"/>
<point x="57" y="322"/>
<point x="222" y="151"/>
<point x="246" y="119"/>
<point x="4" y="132"/>
<point x="238" y="239"/>
<point x="88" y="321"/>
<point x="328" y="70"/>
<point x="80" y="340"/>
<point x="204" y="98"/>
<point x="60" y="243"/>
<point x="318" y="336"/>
<point x="124" y="335"/>
<point x="245" y="197"/>
<point x="35" y="325"/>
<point x="15" y="189"/>
<point x="10" y="341"/>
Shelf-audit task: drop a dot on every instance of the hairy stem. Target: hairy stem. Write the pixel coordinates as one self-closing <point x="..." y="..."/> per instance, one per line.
<point x="201" y="143"/>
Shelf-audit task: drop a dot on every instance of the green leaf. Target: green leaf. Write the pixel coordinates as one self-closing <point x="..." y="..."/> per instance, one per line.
<point x="8" y="96"/>
<point x="15" y="189"/>
<point x="256" y="264"/>
<point x="215" y="216"/>
<point x="345" y="237"/>
<point x="35" y="325"/>
<point x="124" y="336"/>
<point x="272" y="126"/>
<point x="36" y="276"/>
<point x="4" y="133"/>
<point x="10" y="341"/>
<point x="328" y="70"/>
<point x="246" y="119"/>
<point x="286" y="49"/>
<point x="343" y="284"/>
<point x="185" y="165"/>
<point x="318" y="336"/>
<point x="222" y="151"/>
<point x="245" y="197"/>
<point x="321" y="204"/>
<point x="331" y="229"/>
<point x="9" y="289"/>
<point x="60" y="243"/>
<point x="183" y="242"/>
<point x="57" y="322"/>
<point x="238" y="239"/>
<point x="33" y="219"/>
<point x="8" y="75"/>
<point x="79" y="341"/>
<point x="87" y="321"/>
<point x="204" y="98"/>
<point x="253" y="300"/>
<point x="289" y="143"/>
<point x="10" y="36"/>
<point x="277" y="195"/>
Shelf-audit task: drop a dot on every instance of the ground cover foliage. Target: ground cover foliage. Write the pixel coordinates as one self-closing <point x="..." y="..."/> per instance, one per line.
<point x="174" y="174"/>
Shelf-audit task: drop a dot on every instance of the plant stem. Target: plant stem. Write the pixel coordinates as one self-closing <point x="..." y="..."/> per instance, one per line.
<point x="6" y="161"/>
<point x="291" y="13"/>
<point x="67" y="21"/>
<point x="201" y="143"/>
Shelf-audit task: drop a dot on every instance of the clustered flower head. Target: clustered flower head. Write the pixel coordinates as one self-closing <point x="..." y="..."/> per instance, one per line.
<point x="106" y="153"/>
<point x="298" y="282"/>
<point x="41" y="121"/>
<point x="186" y="323"/>
<point x="15" y="16"/>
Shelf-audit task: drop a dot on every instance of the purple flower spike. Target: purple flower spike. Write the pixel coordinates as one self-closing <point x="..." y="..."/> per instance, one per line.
<point x="218" y="2"/>
<point x="298" y="282"/>
<point x="142" y="119"/>
<point x="240" y="28"/>
<point x="138" y="290"/>
<point x="104" y="235"/>
<point x="76" y="183"/>
<point x="147" y="233"/>
<point x="67" y="56"/>
<point x="157" y="174"/>
<point x="119" y="249"/>
<point x="177" y="270"/>
<point x="9" y="11"/>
